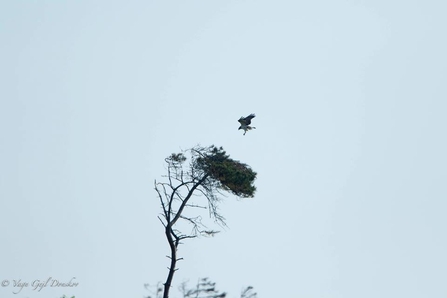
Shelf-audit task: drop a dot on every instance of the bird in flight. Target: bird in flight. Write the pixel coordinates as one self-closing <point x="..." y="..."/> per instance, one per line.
<point x="245" y="123"/>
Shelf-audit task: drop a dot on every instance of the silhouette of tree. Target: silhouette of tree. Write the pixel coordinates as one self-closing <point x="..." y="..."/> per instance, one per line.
<point x="198" y="184"/>
<point x="203" y="289"/>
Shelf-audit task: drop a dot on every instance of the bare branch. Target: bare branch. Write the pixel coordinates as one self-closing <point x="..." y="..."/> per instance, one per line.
<point x="161" y="201"/>
<point x="195" y="206"/>
<point x="161" y="221"/>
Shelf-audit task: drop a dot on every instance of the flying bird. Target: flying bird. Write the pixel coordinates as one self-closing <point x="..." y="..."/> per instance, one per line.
<point x="245" y="123"/>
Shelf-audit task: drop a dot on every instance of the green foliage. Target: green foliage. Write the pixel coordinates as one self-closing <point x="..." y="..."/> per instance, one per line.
<point x="233" y="176"/>
<point x="177" y="157"/>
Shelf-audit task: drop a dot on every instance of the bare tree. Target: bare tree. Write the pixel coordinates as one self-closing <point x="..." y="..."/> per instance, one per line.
<point x="198" y="185"/>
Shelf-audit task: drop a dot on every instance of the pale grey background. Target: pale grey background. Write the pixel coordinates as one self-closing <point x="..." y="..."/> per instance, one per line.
<point x="350" y="145"/>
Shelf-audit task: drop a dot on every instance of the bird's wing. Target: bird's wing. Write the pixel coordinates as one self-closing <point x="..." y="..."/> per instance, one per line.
<point x="248" y="118"/>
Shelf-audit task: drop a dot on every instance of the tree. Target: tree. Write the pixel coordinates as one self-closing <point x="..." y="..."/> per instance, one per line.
<point x="209" y="173"/>
<point x="203" y="289"/>
<point x="207" y="289"/>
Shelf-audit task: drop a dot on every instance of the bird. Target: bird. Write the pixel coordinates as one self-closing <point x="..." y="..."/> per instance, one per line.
<point x="245" y="123"/>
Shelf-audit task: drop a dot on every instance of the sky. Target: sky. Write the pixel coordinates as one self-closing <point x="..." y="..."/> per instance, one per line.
<point x="349" y="146"/>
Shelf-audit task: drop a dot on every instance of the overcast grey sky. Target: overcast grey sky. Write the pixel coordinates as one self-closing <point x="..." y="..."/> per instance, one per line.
<point x="350" y="145"/>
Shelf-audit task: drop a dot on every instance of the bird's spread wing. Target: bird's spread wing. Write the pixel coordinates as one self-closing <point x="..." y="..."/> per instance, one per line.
<point x="246" y="120"/>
